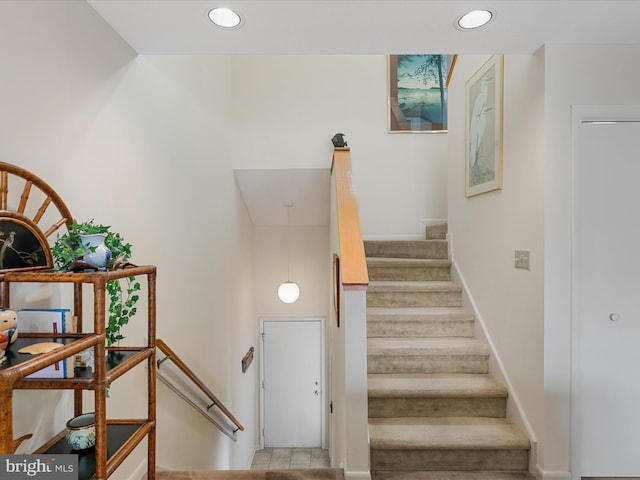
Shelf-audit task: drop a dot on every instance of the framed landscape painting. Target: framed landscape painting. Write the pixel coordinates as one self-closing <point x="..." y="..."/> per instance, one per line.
<point x="483" y="94"/>
<point x="418" y="92"/>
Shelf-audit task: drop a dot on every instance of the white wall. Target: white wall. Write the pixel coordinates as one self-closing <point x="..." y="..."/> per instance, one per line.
<point x="287" y="108"/>
<point x="309" y="247"/>
<point x="309" y="251"/>
<point x="486" y="229"/>
<point x="143" y="144"/>
<point x="574" y="76"/>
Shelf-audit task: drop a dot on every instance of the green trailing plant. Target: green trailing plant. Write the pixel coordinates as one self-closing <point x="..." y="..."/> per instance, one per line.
<point x="122" y="299"/>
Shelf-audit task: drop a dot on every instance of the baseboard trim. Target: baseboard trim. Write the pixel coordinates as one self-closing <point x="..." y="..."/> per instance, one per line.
<point x="357" y="475"/>
<point x="551" y="475"/>
<point x="140" y="471"/>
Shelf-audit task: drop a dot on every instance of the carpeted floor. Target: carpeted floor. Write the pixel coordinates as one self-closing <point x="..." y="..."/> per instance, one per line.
<point x="293" y="474"/>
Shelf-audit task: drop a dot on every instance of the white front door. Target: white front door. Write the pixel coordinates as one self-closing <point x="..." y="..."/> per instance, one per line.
<point x="292" y="381"/>
<point x="606" y="303"/>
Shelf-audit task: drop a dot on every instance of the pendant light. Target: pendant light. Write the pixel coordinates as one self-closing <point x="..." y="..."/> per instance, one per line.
<point x="288" y="292"/>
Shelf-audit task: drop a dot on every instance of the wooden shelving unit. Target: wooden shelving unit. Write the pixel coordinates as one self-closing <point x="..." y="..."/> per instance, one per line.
<point x="115" y="438"/>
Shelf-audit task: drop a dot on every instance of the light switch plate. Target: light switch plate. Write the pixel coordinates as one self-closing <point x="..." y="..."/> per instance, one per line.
<point x="522" y="259"/>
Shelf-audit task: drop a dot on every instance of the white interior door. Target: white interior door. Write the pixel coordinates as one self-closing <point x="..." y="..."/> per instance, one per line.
<point x="606" y="303"/>
<point x="292" y="382"/>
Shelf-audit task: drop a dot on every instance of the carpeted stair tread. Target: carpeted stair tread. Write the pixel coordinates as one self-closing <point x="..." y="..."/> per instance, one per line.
<point x="437" y="385"/>
<point x="436" y="248"/>
<point x="407" y="262"/>
<point x="408" y="269"/>
<point x="419" y="313"/>
<point x="419" y="322"/>
<point x="454" y="475"/>
<point x="426" y="345"/>
<point x="413" y="286"/>
<point x="291" y="474"/>
<point x="416" y="293"/>
<point x="435" y="395"/>
<point x="448" y="433"/>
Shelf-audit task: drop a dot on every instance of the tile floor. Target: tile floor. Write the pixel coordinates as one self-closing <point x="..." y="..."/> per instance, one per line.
<point x="286" y="458"/>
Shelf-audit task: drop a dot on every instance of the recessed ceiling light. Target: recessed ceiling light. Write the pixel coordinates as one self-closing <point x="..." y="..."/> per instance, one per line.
<point x="224" y="17"/>
<point x="474" y="19"/>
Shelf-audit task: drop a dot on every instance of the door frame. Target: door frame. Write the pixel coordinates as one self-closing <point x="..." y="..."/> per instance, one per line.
<point x="323" y="405"/>
<point x="579" y="114"/>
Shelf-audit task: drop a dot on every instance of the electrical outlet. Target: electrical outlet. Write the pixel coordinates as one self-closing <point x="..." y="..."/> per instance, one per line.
<point x="522" y="259"/>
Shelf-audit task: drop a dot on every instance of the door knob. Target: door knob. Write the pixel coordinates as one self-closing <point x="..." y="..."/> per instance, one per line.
<point x="614" y="317"/>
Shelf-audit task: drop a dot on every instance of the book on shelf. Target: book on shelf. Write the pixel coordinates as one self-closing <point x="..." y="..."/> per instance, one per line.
<point x="49" y="320"/>
<point x="46" y="320"/>
<point x="84" y="359"/>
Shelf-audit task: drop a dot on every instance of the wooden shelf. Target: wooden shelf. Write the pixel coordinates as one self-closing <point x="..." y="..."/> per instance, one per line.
<point x="57" y="276"/>
<point x="117" y="363"/>
<point x="115" y="439"/>
<point x="23" y="364"/>
<point x="122" y="437"/>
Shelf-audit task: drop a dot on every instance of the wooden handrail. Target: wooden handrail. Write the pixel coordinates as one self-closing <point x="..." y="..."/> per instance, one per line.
<point x="171" y="355"/>
<point x="353" y="264"/>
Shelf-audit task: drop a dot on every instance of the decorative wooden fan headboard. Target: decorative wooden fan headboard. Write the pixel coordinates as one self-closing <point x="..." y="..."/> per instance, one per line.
<point x="26" y="229"/>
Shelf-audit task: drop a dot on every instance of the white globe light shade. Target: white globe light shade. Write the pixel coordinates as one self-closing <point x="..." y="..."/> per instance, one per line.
<point x="288" y="292"/>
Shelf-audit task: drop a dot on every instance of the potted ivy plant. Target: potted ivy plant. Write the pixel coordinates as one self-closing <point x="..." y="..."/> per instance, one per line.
<point x="70" y="247"/>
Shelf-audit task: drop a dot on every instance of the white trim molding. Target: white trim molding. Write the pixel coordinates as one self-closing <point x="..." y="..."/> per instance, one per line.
<point x="357" y="475"/>
<point x="551" y="475"/>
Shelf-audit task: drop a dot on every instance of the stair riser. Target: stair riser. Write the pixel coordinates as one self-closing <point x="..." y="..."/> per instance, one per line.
<point x="494" y="407"/>
<point x="427" y="364"/>
<point x="414" y="299"/>
<point x="436" y="249"/>
<point x="410" y="273"/>
<point x="436" y="231"/>
<point x="437" y="459"/>
<point x="439" y="475"/>
<point x="397" y="328"/>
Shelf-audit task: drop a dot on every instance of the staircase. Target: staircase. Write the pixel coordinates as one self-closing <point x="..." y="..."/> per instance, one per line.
<point x="434" y="411"/>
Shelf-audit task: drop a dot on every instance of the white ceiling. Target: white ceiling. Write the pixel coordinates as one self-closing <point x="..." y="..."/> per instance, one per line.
<point x="266" y="191"/>
<point x="367" y="26"/>
<point x="355" y="27"/>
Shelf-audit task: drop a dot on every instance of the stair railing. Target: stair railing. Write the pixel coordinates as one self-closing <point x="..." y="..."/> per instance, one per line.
<point x="353" y="264"/>
<point x="214" y="401"/>
<point x="350" y="423"/>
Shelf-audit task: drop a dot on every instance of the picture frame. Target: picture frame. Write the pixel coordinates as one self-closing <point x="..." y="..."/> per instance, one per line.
<point x="483" y="127"/>
<point x="336" y="288"/>
<point x="23" y="246"/>
<point x="417" y="92"/>
<point x="247" y="359"/>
